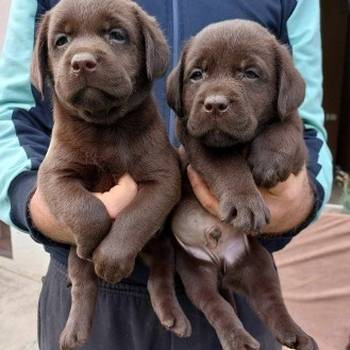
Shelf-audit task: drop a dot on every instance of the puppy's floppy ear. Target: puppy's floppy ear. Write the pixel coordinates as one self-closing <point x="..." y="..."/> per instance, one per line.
<point x="156" y="47"/>
<point x="39" y="68"/>
<point x="291" y="86"/>
<point x="174" y="84"/>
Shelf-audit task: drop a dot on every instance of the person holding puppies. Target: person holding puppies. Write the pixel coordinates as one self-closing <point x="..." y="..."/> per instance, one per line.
<point x="124" y="317"/>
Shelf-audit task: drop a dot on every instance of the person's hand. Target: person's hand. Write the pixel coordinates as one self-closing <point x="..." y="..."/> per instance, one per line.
<point x="119" y="196"/>
<point x="290" y="202"/>
<point x="115" y="200"/>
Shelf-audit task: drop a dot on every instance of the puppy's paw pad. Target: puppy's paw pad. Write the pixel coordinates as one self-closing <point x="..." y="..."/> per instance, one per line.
<point x="112" y="273"/>
<point x="241" y="341"/>
<point x="72" y="339"/>
<point x="299" y="342"/>
<point x="112" y="268"/>
<point x="296" y="338"/>
<point x="250" y="213"/>
<point x="248" y="343"/>
<point x="171" y="315"/>
<point x="179" y="324"/>
<point x="84" y="252"/>
<point x="228" y="211"/>
<point x="270" y="169"/>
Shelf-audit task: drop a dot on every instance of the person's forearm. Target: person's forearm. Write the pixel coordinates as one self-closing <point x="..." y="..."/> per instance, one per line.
<point x="45" y="223"/>
<point x="59" y="236"/>
<point x="115" y="200"/>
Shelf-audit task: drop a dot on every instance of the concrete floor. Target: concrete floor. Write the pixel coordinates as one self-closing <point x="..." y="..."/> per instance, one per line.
<point x="20" y="284"/>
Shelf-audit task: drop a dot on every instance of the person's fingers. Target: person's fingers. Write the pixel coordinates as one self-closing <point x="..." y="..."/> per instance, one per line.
<point x="202" y="192"/>
<point x="288" y="188"/>
<point x="119" y="196"/>
<point x="277" y="200"/>
<point x="128" y="182"/>
<point x="289" y="202"/>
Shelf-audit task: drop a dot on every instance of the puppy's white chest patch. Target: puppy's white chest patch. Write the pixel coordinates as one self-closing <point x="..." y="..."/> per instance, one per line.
<point x="223" y="251"/>
<point x="233" y="249"/>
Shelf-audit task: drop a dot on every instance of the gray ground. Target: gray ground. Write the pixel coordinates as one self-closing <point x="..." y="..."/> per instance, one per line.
<point x="20" y="283"/>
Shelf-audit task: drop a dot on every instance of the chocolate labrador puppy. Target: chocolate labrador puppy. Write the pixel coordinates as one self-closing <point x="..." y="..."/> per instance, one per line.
<point x="236" y="94"/>
<point x="100" y="58"/>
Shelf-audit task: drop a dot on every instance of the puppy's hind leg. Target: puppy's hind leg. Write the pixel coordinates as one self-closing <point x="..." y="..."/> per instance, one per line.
<point x="160" y="258"/>
<point x="256" y="278"/>
<point x="84" y="294"/>
<point x="201" y="283"/>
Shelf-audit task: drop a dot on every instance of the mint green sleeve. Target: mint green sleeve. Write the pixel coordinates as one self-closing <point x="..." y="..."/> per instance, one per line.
<point x="15" y="95"/>
<point x="305" y="39"/>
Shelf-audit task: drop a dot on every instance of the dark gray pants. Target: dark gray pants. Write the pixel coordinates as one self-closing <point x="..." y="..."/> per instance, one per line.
<point x="125" y="320"/>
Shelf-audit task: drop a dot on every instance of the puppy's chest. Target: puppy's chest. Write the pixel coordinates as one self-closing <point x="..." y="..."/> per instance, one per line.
<point x="106" y="156"/>
<point x="100" y="157"/>
<point x="115" y="157"/>
<point x="104" y="168"/>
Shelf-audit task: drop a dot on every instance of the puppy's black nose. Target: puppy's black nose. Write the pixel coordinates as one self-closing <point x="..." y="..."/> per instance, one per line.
<point x="216" y="103"/>
<point x="83" y="62"/>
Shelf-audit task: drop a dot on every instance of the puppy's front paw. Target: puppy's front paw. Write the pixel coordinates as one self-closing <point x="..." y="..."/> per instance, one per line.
<point x="270" y="167"/>
<point x="173" y="319"/>
<point x="111" y="264"/>
<point x="86" y="243"/>
<point x="246" y="212"/>
<point x="238" y="340"/>
<point x="85" y="249"/>
<point x="73" y="337"/>
<point x="295" y="338"/>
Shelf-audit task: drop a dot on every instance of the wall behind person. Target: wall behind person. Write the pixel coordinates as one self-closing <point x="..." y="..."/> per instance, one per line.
<point x="4" y="9"/>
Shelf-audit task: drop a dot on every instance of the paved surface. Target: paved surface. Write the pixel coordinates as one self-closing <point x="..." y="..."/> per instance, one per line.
<point x="20" y="284"/>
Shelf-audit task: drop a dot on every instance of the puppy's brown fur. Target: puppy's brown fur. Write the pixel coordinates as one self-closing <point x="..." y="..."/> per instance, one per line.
<point x="236" y="94"/>
<point x="100" y="59"/>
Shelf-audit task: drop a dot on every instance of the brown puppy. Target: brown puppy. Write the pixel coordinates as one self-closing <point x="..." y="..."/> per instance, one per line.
<point x="236" y="94"/>
<point x="100" y="59"/>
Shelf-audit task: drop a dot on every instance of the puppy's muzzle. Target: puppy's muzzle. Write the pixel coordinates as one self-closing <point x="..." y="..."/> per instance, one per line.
<point x="216" y="104"/>
<point x="83" y="62"/>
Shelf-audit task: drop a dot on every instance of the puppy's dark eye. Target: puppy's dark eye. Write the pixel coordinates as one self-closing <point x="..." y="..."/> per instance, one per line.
<point x="251" y="74"/>
<point x="196" y="75"/>
<point x="118" y="36"/>
<point x="61" y="40"/>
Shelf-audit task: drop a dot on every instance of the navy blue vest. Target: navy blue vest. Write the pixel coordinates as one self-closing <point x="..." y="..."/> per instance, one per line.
<point x="181" y="19"/>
